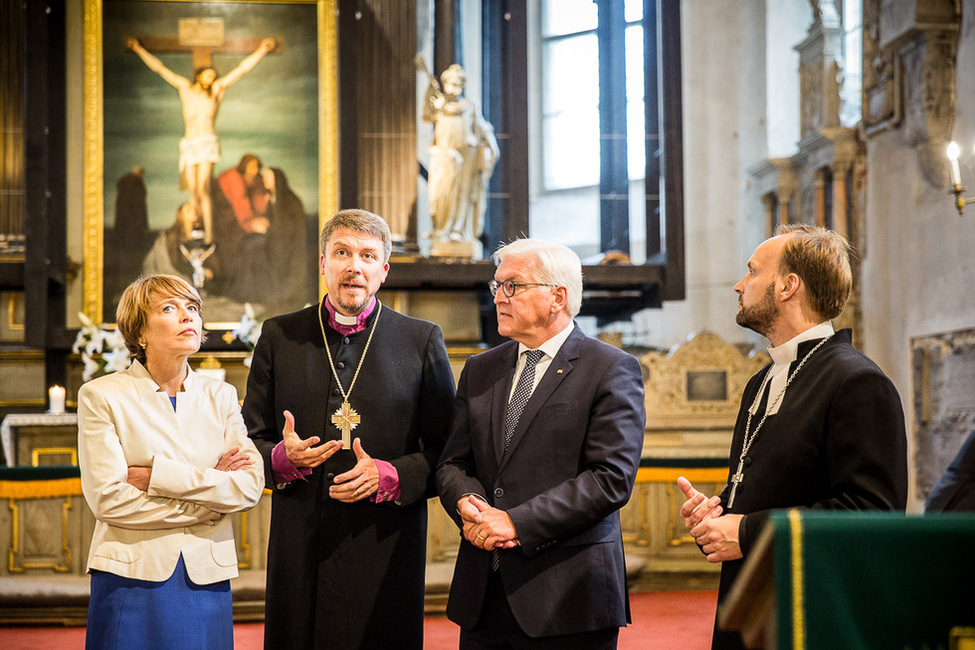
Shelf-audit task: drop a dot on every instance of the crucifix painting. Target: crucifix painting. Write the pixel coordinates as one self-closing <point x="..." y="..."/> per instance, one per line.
<point x="199" y="149"/>
<point x="235" y="147"/>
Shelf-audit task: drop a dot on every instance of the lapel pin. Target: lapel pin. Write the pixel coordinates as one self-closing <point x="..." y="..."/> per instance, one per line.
<point x="559" y="371"/>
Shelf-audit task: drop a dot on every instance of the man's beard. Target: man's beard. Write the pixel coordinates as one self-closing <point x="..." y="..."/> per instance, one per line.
<point x="760" y="316"/>
<point x="350" y="306"/>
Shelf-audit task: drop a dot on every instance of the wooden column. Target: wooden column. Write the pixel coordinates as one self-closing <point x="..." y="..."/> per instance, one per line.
<point x="445" y="35"/>
<point x="379" y="42"/>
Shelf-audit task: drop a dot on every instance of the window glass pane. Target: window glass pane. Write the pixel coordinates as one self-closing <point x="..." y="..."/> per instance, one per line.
<point x="636" y="149"/>
<point x="852" y="64"/>
<point x="638" y="222"/>
<point x="634" y="63"/>
<point x="635" y="118"/>
<point x="568" y="16"/>
<point x="571" y="148"/>
<point x="633" y="10"/>
<point x="571" y="74"/>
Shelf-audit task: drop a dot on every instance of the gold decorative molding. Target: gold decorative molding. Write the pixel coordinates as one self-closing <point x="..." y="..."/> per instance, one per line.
<point x="210" y="363"/>
<point x="668" y="404"/>
<point x="61" y="567"/>
<point x="37" y="452"/>
<point x="328" y="137"/>
<point x="94" y="218"/>
<point x="13" y="298"/>
<point x="245" y="547"/>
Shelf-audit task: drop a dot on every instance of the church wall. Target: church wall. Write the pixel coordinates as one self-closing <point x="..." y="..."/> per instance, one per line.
<point x="786" y="23"/>
<point x="918" y="266"/>
<point x="723" y="60"/>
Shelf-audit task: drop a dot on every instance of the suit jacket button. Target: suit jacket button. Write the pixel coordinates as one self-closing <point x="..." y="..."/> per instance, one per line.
<point x="498" y="492"/>
<point x="330" y="475"/>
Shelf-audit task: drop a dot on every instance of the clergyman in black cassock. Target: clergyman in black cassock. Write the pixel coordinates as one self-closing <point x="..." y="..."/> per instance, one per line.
<point x="347" y="545"/>
<point x="827" y="434"/>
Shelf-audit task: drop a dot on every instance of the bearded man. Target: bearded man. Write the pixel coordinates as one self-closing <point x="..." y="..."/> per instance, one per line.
<point x="349" y="403"/>
<point x="820" y="428"/>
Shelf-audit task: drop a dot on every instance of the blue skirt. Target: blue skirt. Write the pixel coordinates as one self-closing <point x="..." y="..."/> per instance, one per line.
<point x="126" y="613"/>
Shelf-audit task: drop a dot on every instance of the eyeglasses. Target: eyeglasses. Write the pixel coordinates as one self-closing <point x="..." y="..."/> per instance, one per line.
<point x="510" y="286"/>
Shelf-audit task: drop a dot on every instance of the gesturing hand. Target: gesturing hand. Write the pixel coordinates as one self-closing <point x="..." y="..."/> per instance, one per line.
<point x="717" y="535"/>
<point x="303" y="453"/>
<point x="360" y="482"/>
<point x="698" y="506"/>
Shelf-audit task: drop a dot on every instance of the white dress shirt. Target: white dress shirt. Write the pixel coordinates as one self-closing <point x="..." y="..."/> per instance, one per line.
<point x="550" y="347"/>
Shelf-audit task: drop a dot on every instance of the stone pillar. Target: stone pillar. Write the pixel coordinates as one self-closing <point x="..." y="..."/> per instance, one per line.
<point x="819" y="182"/>
<point x="768" y="202"/>
<point x="844" y="153"/>
<point x="785" y="188"/>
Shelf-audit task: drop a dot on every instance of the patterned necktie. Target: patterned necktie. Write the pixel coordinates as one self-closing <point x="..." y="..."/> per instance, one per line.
<point x="522" y="392"/>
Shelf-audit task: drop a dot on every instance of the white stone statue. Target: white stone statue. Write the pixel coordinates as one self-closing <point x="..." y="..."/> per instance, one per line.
<point x="462" y="158"/>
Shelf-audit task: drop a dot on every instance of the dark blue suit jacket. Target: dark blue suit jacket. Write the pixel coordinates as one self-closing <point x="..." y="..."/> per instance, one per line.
<point x="955" y="490"/>
<point x="568" y="470"/>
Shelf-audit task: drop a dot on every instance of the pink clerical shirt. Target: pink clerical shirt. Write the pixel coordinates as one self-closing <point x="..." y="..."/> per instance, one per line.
<point x="285" y="471"/>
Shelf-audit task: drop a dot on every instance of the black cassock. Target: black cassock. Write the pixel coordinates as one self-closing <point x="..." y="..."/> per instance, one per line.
<point x="837" y="442"/>
<point x="350" y="575"/>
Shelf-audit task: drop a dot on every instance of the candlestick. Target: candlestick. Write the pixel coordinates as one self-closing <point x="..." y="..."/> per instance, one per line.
<point x="55" y="398"/>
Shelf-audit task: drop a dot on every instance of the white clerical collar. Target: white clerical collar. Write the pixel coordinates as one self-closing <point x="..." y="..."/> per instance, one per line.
<point x="551" y="346"/>
<point x="789" y="351"/>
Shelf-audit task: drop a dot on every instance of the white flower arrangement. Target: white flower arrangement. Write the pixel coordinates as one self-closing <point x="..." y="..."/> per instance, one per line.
<point x="248" y="331"/>
<point x="101" y="348"/>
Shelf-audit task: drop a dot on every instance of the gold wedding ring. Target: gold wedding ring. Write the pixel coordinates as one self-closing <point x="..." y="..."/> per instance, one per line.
<point x="480" y="538"/>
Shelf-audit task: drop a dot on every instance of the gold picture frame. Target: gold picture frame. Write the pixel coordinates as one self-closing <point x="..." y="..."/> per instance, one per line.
<point x="324" y="183"/>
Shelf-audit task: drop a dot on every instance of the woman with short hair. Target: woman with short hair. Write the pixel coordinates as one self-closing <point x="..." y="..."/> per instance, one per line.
<point x="165" y="459"/>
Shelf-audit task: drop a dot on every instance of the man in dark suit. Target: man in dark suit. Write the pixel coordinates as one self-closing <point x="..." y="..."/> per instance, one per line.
<point x="955" y="490"/>
<point x="347" y="546"/>
<point x="543" y="451"/>
<point x="821" y="427"/>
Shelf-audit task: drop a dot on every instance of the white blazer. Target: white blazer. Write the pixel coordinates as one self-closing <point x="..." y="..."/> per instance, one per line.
<point x="124" y="420"/>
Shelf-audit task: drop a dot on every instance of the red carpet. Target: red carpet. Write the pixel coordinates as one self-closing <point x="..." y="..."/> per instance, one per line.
<point x="662" y="620"/>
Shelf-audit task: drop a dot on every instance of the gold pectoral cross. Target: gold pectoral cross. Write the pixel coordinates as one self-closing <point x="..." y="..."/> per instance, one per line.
<point x="346" y="419"/>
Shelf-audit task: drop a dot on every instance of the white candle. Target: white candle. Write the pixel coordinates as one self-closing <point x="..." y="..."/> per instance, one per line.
<point x="953" y="152"/>
<point x="55" y="397"/>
